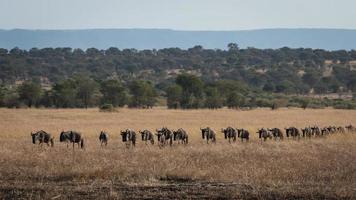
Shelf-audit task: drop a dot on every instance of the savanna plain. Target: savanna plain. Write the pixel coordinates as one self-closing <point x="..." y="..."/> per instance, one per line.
<point x="316" y="168"/>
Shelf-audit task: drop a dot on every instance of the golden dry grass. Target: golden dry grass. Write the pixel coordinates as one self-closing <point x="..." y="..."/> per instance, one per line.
<point x="315" y="168"/>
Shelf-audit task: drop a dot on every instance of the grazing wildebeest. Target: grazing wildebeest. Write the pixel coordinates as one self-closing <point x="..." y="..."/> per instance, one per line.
<point x="292" y="132"/>
<point x="264" y="134"/>
<point x="72" y="137"/>
<point x="243" y="134"/>
<point x="350" y="128"/>
<point x="340" y="129"/>
<point x="276" y="133"/>
<point x="146" y="136"/>
<point x="180" y="135"/>
<point x="316" y="131"/>
<point x="208" y="134"/>
<point x="129" y="137"/>
<point x="307" y="132"/>
<point x="229" y="133"/>
<point x="324" y="131"/>
<point x="103" y="138"/>
<point x="43" y="137"/>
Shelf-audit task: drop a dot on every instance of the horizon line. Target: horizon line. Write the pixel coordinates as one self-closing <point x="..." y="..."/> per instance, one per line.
<point x="172" y="29"/>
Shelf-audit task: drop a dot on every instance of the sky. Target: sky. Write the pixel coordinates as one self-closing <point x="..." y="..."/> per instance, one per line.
<point x="177" y="14"/>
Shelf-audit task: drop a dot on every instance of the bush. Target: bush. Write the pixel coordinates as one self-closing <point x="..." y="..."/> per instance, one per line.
<point x="345" y="105"/>
<point x="107" y="108"/>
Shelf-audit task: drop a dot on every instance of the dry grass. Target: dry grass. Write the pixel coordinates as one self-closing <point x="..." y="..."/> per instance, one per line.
<point x="316" y="168"/>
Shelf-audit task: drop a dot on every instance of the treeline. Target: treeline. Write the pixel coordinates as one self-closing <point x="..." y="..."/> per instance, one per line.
<point x="186" y="92"/>
<point x="80" y="92"/>
<point x="285" y="70"/>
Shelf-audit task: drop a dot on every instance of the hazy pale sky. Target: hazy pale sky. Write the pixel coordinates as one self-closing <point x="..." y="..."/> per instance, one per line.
<point x="177" y="14"/>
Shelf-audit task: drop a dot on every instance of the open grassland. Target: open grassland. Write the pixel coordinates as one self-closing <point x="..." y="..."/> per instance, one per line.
<point x="317" y="168"/>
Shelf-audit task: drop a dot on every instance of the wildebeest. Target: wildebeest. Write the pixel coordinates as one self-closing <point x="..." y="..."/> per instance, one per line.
<point x="129" y="137"/>
<point x="276" y="133"/>
<point x="307" y="132"/>
<point x="264" y="134"/>
<point x="146" y="136"/>
<point x="180" y="135"/>
<point x="292" y="132"/>
<point x="72" y="137"/>
<point x="331" y="129"/>
<point x="340" y="129"/>
<point x="42" y="137"/>
<point x="350" y="128"/>
<point x="164" y="135"/>
<point x="243" y="134"/>
<point x="208" y="134"/>
<point x="161" y="139"/>
<point x="229" y="133"/>
<point x="315" y="131"/>
<point x="324" y="131"/>
<point x="103" y="138"/>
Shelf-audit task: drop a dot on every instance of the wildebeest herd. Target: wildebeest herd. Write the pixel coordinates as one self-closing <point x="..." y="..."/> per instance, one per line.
<point x="167" y="136"/>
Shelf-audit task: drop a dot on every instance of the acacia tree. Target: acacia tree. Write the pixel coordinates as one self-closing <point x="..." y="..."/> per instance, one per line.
<point x="143" y="94"/>
<point x="65" y="94"/>
<point x="87" y="90"/>
<point x="174" y="95"/>
<point x="30" y="93"/>
<point x="235" y="100"/>
<point x="213" y="98"/>
<point x="113" y="93"/>
<point x="192" y="95"/>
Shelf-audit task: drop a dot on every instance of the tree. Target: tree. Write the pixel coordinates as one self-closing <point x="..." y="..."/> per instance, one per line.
<point x="311" y="78"/>
<point x="192" y="95"/>
<point x="213" y="98"/>
<point x="87" y="90"/>
<point x="268" y="87"/>
<point x="113" y="93"/>
<point x="233" y="47"/>
<point x="174" y="95"/>
<point x="65" y="94"/>
<point x="30" y="93"/>
<point x="3" y="93"/>
<point x="235" y="100"/>
<point x="143" y="94"/>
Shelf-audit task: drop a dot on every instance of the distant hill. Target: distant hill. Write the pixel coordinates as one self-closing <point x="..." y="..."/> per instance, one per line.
<point x="329" y="39"/>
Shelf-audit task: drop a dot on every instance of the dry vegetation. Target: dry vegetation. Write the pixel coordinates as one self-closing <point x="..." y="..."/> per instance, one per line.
<point x="320" y="168"/>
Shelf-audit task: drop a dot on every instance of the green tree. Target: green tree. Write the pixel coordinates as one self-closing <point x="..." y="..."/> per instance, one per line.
<point x="65" y="94"/>
<point x="113" y="93"/>
<point x="233" y="47"/>
<point x="87" y="91"/>
<point x="268" y="87"/>
<point x="30" y="93"/>
<point x="235" y="100"/>
<point x="213" y="98"/>
<point x="2" y="95"/>
<point x="174" y="95"/>
<point x="192" y="95"/>
<point x="143" y="94"/>
<point x="311" y="78"/>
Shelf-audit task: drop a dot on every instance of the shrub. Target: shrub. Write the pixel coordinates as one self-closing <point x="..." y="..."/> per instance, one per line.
<point x="107" y="108"/>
